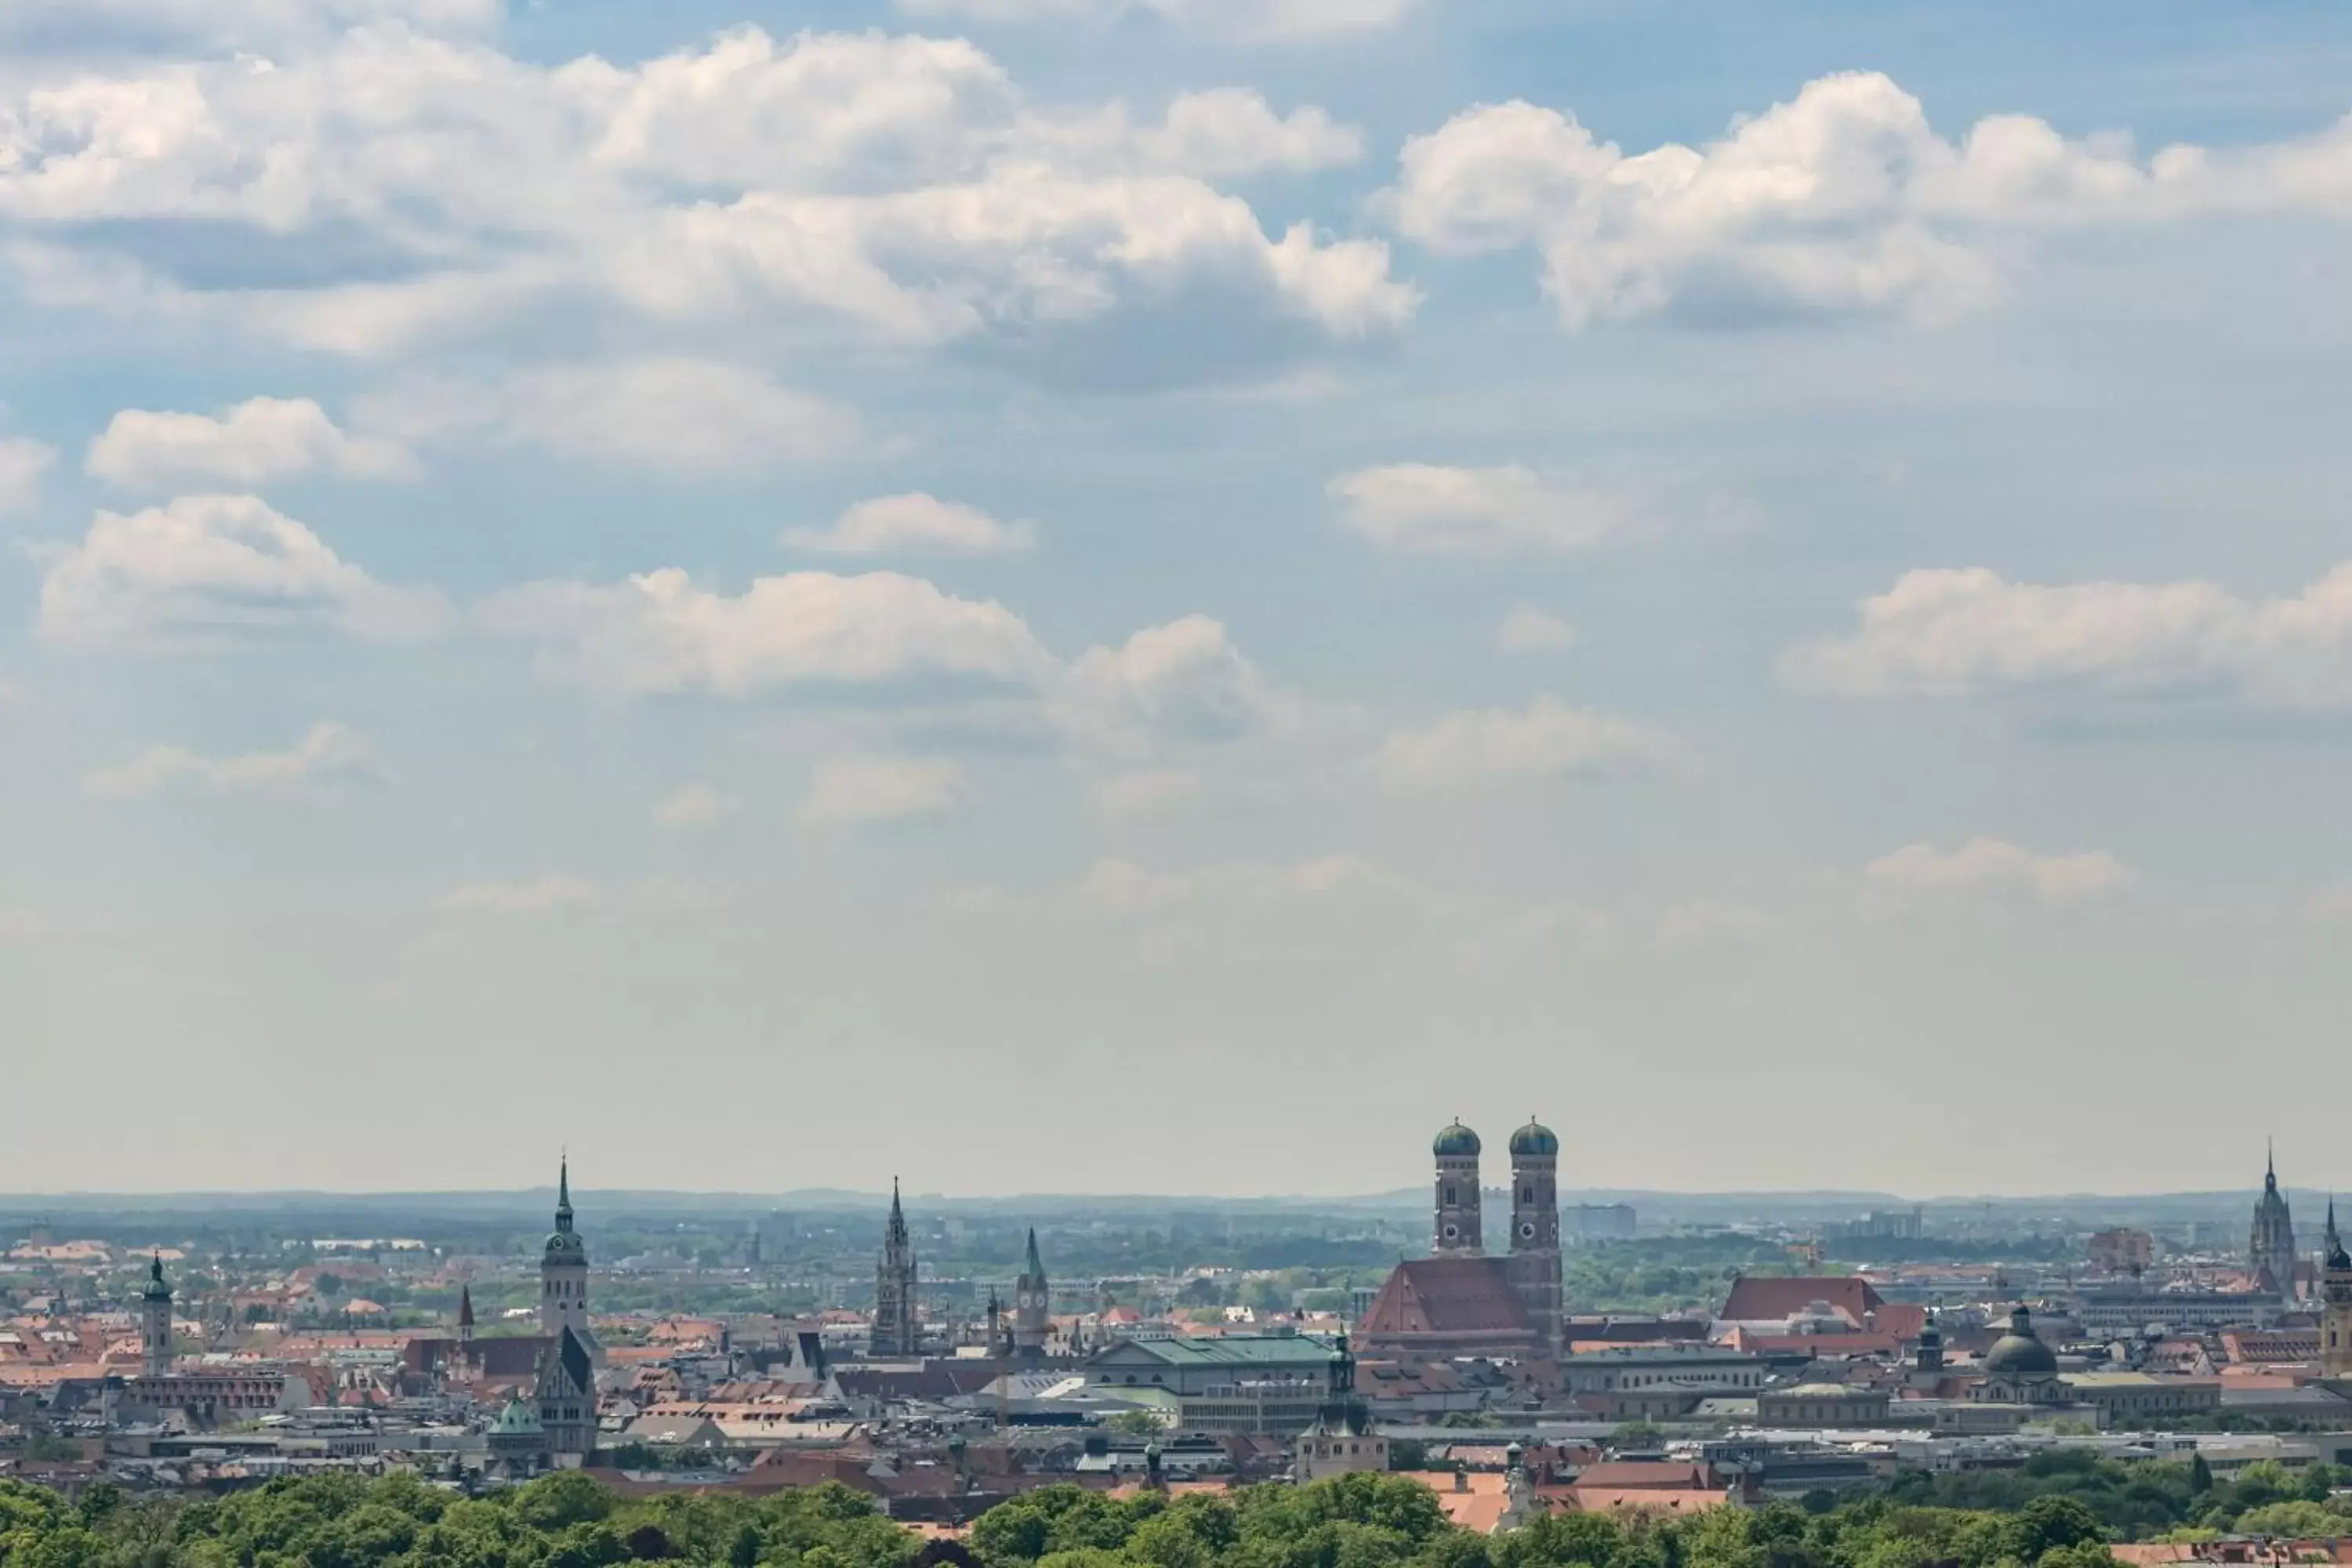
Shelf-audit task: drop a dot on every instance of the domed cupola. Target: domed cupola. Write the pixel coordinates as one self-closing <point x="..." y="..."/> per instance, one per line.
<point x="1535" y="1141"/>
<point x="1456" y="1141"/>
<point x="2019" y="1353"/>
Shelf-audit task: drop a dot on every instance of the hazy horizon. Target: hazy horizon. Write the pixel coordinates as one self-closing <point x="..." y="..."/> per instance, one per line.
<point x="1406" y="1198"/>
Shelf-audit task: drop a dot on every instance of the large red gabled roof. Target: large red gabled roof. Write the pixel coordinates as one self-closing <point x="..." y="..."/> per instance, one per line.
<point x="1447" y="1296"/>
<point x="1756" y="1299"/>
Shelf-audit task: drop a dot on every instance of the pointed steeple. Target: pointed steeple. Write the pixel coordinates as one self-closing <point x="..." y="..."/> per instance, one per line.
<point x="465" y="1305"/>
<point x="898" y="1231"/>
<point x="563" y="1193"/>
<point x="1036" y="1268"/>
<point x="2270" y="1164"/>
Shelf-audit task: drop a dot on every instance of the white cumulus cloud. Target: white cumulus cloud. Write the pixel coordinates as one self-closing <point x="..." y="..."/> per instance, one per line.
<point x="657" y="632"/>
<point x="243" y="446"/>
<point x="143" y="26"/>
<point x="670" y="413"/>
<point x="899" y="189"/>
<point x="23" y="462"/>
<point x="1841" y="200"/>
<point x="1948" y="631"/>
<point x="884" y="789"/>
<point x="1993" y="869"/>
<point x="1251" y="20"/>
<point x="329" y="755"/>
<point x="208" y="568"/>
<point x="1220" y="133"/>
<point x="1427" y="508"/>
<point x="913" y="524"/>
<point x="1181" y="682"/>
<point x="1545" y="740"/>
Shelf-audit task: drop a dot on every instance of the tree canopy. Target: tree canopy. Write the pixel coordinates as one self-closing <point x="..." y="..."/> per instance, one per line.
<point x="2059" y="1511"/>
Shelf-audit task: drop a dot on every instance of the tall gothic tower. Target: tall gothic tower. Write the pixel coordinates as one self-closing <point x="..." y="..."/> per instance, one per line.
<point x="894" y="1288"/>
<point x="1031" y="1308"/>
<point x="2270" y="1253"/>
<point x="155" y="1322"/>
<point x="1535" y="1226"/>
<point x="2336" y="1305"/>
<point x="1457" y="1231"/>
<point x="563" y="1271"/>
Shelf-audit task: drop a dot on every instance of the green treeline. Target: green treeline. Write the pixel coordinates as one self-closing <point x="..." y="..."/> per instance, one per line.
<point x="2149" y="1500"/>
<point x="2058" y="1512"/>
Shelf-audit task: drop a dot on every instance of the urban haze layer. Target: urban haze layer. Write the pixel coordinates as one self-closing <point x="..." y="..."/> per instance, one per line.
<point x="1516" y="1354"/>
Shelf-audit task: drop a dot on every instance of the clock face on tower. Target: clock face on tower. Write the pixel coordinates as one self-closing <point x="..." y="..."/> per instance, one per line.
<point x="1527" y="1229"/>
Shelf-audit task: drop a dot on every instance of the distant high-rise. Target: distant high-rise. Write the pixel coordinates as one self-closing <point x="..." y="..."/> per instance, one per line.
<point x="1033" y="1301"/>
<point x="155" y="1322"/>
<point x="2270" y="1253"/>
<point x="895" y="1333"/>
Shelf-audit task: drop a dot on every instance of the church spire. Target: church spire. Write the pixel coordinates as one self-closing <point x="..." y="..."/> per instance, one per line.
<point x="2270" y="1164"/>
<point x="1036" y="1267"/>
<point x="563" y="1193"/>
<point x="895" y="1329"/>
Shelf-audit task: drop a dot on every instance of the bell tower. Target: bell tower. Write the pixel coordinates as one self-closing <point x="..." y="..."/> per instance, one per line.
<point x="155" y="1322"/>
<point x="1457" y="1232"/>
<point x="895" y="1327"/>
<point x="1033" y="1300"/>
<point x="2335" y="1304"/>
<point x="1535" y="1226"/>
<point x="563" y="1270"/>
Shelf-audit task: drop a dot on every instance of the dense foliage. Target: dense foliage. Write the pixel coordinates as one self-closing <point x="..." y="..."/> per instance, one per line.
<point x="2146" y="1501"/>
<point x="2057" y="1512"/>
<point x="1666" y="1274"/>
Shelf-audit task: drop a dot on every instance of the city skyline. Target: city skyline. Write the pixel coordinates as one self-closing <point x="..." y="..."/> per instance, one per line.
<point x="1140" y="594"/>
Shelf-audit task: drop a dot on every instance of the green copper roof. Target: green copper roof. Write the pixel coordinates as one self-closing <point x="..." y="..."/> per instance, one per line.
<point x="1534" y="1140"/>
<point x="518" y="1419"/>
<point x="1456" y="1141"/>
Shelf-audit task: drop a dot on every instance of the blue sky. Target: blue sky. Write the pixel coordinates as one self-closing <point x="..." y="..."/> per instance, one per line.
<point x="1062" y="593"/>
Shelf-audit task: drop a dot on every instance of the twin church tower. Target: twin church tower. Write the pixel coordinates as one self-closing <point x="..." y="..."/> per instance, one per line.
<point x="1532" y="1264"/>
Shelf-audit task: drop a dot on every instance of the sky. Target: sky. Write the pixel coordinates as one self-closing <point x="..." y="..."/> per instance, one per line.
<point x="1164" y="594"/>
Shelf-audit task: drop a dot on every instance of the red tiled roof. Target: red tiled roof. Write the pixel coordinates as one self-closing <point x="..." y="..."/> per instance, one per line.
<point x="1637" y="1500"/>
<point x="1447" y="1296"/>
<point x="1621" y="1473"/>
<point x="1754" y="1299"/>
